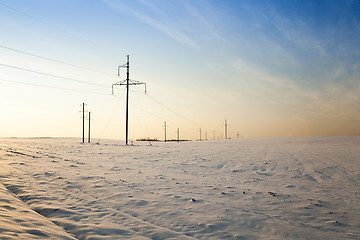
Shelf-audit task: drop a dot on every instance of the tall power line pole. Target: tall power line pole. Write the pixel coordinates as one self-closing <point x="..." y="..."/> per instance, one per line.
<point x="127" y="82"/>
<point x="200" y="134"/>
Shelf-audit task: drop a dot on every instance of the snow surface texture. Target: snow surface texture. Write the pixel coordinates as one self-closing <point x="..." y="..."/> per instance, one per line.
<point x="272" y="188"/>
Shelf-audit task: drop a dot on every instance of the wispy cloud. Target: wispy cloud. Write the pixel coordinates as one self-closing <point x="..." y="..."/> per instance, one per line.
<point x="172" y="32"/>
<point x="152" y="6"/>
<point x="206" y="24"/>
<point x="257" y="75"/>
<point x="155" y="17"/>
<point x="328" y="100"/>
<point x="192" y="23"/>
<point x="297" y="33"/>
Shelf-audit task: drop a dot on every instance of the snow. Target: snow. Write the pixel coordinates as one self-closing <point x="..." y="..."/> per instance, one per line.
<point x="265" y="188"/>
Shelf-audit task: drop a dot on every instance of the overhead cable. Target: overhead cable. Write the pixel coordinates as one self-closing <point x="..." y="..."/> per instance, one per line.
<point x="54" y="87"/>
<point x="52" y="75"/>
<point x="170" y="110"/>
<point x="54" y="60"/>
<point x="57" y="28"/>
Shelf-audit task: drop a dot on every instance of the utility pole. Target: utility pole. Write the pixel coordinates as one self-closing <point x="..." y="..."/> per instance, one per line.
<point x="226" y="125"/>
<point x="214" y="134"/>
<point x="89" y="126"/>
<point x="206" y="135"/>
<point x="127" y="97"/>
<point x="178" y="135"/>
<point x="83" y="122"/>
<point x="200" y="134"/>
<point x="165" y="130"/>
<point x="127" y="82"/>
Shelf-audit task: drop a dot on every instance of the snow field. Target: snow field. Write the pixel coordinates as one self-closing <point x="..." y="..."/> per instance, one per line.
<point x="271" y="188"/>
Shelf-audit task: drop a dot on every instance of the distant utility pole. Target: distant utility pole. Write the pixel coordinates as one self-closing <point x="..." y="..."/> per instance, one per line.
<point x="127" y="82"/>
<point x="200" y="134"/>
<point x="89" y="126"/>
<point x="83" y="122"/>
<point x="214" y="134"/>
<point x="206" y="135"/>
<point x="226" y="126"/>
<point x="178" y="135"/>
<point x="165" y="130"/>
<point x="83" y="117"/>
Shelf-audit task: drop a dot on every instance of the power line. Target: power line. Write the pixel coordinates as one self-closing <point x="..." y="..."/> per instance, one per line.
<point x="52" y="75"/>
<point x="160" y="117"/>
<point x="170" y="110"/>
<point x="155" y="115"/>
<point x="75" y="90"/>
<point x="55" y="60"/>
<point x="57" y="28"/>
<point x="53" y="87"/>
<point x="179" y="115"/>
<point x="92" y="92"/>
<point x="29" y="16"/>
<point x="69" y="89"/>
<point x="164" y="106"/>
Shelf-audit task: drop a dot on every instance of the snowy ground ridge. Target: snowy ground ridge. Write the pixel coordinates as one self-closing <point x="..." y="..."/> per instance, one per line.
<point x="19" y="221"/>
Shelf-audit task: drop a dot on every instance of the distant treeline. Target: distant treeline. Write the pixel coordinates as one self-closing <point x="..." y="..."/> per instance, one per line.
<point x="180" y="140"/>
<point x="156" y="140"/>
<point x="147" y="139"/>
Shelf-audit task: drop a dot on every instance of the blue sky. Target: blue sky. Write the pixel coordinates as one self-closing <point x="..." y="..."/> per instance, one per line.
<point x="271" y="68"/>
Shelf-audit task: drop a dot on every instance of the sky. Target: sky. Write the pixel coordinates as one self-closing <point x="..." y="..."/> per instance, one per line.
<point x="269" y="68"/>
